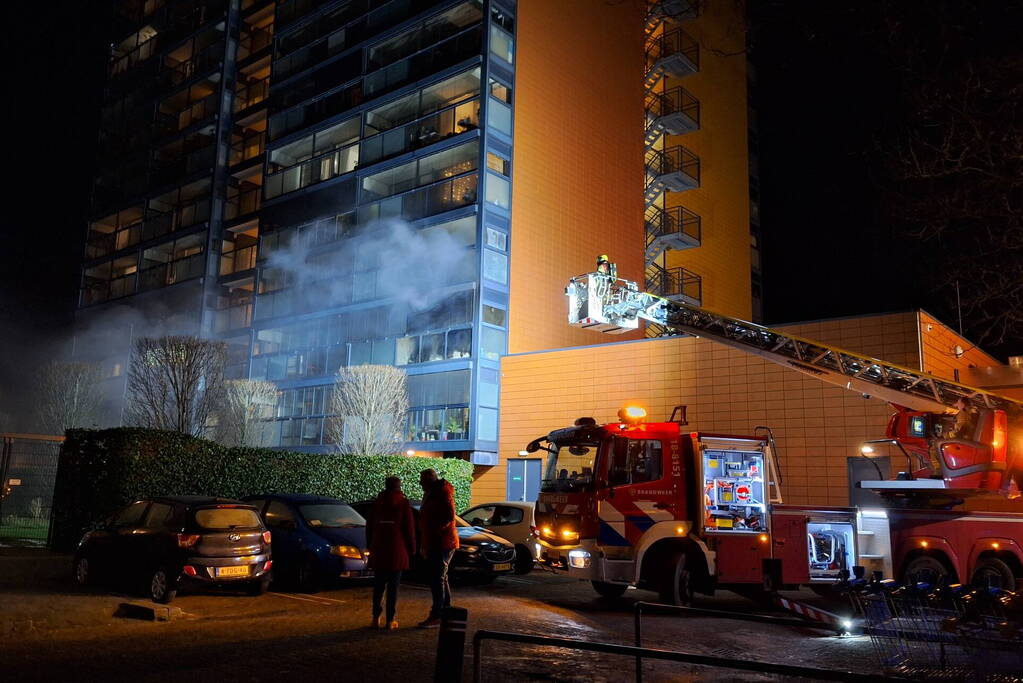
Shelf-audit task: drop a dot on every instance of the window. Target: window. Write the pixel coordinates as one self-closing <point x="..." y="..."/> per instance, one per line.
<point x="634" y="461"/>
<point x="500" y="91"/>
<point x="505" y="515"/>
<point x="492" y="343"/>
<point x="495" y="316"/>
<point x="496" y="163"/>
<point x="501" y="44"/>
<point x="227" y="518"/>
<point x="459" y="343"/>
<point x="279" y="516"/>
<point x="450" y="162"/>
<point x="480" y="516"/>
<point x="498" y="191"/>
<point x="131" y="515"/>
<point x="495" y="266"/>
<point x="487" y="424"/>
<point x="497" y="239"/>
<point x="499" y="116"/>
<point x="159" y="516"/>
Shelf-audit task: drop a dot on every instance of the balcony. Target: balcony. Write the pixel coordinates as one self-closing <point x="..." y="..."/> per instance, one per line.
<point x="316" y="170"/>
<point x="251" y="94"/>
<point x="676" y="284"/>
<point x="246" y="147"/>
<point x="672" y="54"/>
<point x="253" y="39"/>
<point x="233" y="318"/>
<point x="674" y="169"/>
<point x="172" y="272"/>
<point x="423" y="132"/>
<point x="675" y="228"/>
<point x="674" y="112"/>
<point x="675" y="10"/>
<point x="242" y="203"/>
<point x="237" y="260"/>
<point x="98" y="292"/>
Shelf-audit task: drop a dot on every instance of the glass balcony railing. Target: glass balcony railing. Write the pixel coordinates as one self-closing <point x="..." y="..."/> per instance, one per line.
<point x="253" y="93"/>
<point x="98" y="292"/>
<point x="252" y="40"/>
<point x="242" y="204"/>
<point x="247" y="148"/>
<point x="162" y="222"/>
<point x="444" y="124"/>
<point x="428" y="201"/>
<point x="233" y="318"/>
<point x="316" y="170"/>
<point x="676" y="283"/>
<point x="237" y="260"/>
<point x="172" y="272"/>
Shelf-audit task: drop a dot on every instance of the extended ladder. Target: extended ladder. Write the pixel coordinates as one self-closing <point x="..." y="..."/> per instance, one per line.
<point x="620" y="305"/>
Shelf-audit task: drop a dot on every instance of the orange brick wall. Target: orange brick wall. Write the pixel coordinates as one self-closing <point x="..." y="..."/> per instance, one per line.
<point x="722" y="200"/>
<point x="578" y="158"/>
<point x="817" y="426"/>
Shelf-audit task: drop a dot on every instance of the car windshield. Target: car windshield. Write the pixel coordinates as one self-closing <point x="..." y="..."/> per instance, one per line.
<point x="227" y="518"/>
<point x="461" y="522"/>
<point x="331" y="516"/>
<point x="570" y="467"/>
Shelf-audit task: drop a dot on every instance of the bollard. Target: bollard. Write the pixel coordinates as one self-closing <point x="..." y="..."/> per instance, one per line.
<point x="451" y="645"/>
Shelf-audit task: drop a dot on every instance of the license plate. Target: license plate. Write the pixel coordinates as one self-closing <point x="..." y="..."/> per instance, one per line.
<point x="233" y="571"/>
<point x="503" y="567"/>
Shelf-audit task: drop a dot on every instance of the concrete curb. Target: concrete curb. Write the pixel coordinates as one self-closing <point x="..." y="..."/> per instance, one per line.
<point x="148" y="611"/>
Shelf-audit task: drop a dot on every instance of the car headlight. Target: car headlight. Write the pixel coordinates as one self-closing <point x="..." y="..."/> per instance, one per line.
<point x="348" y="551"/>
<point x="470" y="549"/>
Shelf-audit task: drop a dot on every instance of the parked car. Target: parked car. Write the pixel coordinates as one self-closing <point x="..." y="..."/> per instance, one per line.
<point x="316" y="540"/>
<point x="512" y="520"/>
<point x="164" y="544"/>
<point x="480" y="554"/>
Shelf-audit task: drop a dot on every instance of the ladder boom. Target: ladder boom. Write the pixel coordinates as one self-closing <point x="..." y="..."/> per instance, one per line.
<point x="600" y="302"/>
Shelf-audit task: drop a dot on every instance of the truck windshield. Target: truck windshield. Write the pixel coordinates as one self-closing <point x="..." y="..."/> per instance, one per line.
<point x="570" y="468"/>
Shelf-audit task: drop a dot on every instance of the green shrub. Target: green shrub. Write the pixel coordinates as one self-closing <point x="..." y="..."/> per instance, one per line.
<point x="101" y="471"/>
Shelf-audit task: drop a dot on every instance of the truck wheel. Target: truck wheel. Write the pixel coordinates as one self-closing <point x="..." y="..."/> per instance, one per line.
<point x="925" y="568"/>
<point x="611" y="591"/>
<point x="676" y="586"/>
<point x="992" y="568"/>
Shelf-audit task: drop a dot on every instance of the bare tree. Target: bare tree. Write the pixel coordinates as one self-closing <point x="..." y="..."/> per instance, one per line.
<point x="67" y="395"/>
<point x="246" y="405"/>
<point x="175" y="383"/>
<point x="370" y="404"/>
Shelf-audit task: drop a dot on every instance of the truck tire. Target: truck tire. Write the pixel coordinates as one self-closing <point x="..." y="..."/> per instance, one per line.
<point x="925" y="568"/>
<point x="993" y="568"/>
<point x="610" y="591"/>
<point x="676" y="584"/>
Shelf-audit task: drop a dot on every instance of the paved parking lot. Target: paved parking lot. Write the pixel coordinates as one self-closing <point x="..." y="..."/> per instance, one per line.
<point x="51" y="630"/>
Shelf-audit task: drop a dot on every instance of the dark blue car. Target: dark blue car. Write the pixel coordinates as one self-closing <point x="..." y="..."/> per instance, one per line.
<point x="315" y="540"/>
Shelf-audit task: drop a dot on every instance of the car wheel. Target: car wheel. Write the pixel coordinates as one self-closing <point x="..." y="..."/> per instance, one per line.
<point x="162" y="587"/>
<point x="83" y="571"/>
<point x="307" y="576"/>
<point x="607" y="590"/>
<point x="992" y="568"/>
<point x="257" y="587"/>
<point x="925" y="568"/>
<point x="676" y="586"/>
<point x="523" y="560"/>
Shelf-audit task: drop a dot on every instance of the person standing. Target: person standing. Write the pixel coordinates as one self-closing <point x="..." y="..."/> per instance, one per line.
<point x="438" y="538"/>
<point x="392" y="543"/>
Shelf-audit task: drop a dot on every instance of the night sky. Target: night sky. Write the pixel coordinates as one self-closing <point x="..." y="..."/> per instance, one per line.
<point x="827" y="93"/>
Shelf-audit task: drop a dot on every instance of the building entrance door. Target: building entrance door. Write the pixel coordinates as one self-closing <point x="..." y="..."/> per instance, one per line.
<point x="524" y="479"/>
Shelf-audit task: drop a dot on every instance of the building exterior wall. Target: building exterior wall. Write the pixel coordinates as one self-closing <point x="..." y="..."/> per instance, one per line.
<point x="817" y="426"/>
<point x="577" y="188"/>
<point x="722" y="200"/>
<point x="946" y="352"/>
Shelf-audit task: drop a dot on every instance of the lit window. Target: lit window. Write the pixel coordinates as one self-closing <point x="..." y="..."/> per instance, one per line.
<point x="496" y="163"/>
<point x="497" y="239"/>
<point x="501" y="44"/>
<point x="500" y="91"/>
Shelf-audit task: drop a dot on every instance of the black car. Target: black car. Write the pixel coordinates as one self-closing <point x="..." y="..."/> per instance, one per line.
<point x="480" y="552"/>
<point x="316" y="540"/>
<point x="162" y="544"/>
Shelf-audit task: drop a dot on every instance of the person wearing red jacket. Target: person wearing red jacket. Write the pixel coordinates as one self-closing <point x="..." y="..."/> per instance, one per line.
<point x="391" y="538"/>
<point x="438" y="538"/>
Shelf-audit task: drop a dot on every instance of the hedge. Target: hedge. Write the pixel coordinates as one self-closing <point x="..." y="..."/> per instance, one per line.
<point x="100" y="471"/>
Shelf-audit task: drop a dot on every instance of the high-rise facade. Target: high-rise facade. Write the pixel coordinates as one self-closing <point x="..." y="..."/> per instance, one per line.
<point x="407" y="182"/>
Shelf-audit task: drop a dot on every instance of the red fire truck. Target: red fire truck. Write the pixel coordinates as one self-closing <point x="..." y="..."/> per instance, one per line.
<point x="655" y="505"/>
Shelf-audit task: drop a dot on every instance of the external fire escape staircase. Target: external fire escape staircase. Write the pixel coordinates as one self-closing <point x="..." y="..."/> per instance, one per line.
<point x="670" y="53"/>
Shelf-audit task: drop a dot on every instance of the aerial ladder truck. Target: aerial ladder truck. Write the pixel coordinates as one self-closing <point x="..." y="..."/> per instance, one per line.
<point x="654" y="505"/>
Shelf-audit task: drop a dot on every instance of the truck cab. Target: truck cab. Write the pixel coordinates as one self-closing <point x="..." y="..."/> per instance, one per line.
<point x="656" y="506"/>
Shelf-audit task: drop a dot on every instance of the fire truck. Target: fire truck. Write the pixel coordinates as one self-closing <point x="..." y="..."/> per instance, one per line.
<point x="659" y="506"/>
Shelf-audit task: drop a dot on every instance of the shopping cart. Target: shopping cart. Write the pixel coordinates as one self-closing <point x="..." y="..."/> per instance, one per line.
<point x="914" y="634"/>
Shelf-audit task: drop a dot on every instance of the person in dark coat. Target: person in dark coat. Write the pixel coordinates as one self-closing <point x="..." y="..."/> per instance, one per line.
<point x="391" y="538"/>
<point x="438" y="538"/>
